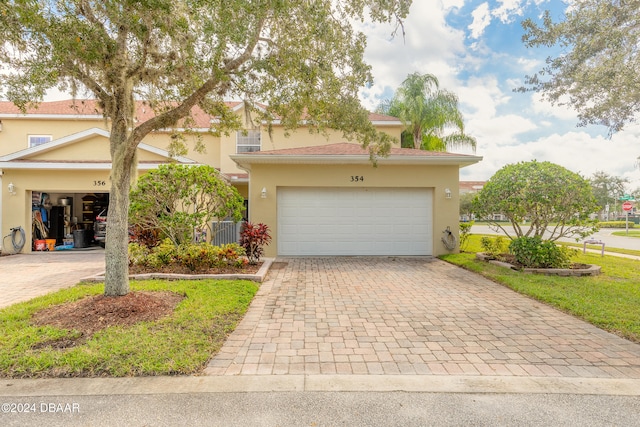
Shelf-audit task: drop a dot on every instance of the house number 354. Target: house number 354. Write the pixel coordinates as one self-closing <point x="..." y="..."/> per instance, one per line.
<point x="356" y="178"/>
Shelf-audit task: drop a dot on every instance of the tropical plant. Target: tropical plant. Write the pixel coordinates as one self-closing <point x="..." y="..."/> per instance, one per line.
<point x="429" y="114"/>
<point x="302" y="60"/>
<point x="533" y="252"/>
<point x="465" y="232"/>
<point x="253" y="238"/>
<point x="177" y="199"/>
<point x="553" y="201"/>
<point x="494" y="247"/>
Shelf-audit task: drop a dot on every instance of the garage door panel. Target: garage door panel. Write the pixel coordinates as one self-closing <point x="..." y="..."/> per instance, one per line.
<point x="346" y="221"/>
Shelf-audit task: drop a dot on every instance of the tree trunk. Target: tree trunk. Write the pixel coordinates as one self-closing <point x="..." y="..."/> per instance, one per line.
<point x="123" y="162"/>
<point x="116" y="253"/>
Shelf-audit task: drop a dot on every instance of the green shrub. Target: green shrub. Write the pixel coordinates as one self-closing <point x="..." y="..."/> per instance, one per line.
<point x="194" y="256"/>
<point x="615" y="224"/>
<point x="533" y="252"/>
<point x="138" y="254"/>
<point x="163" y="254"/>
<point x="199" y="256"/>
<point x="230" y="253"/>
<point x="494" y="246"/>
<point x="465" y="232"/>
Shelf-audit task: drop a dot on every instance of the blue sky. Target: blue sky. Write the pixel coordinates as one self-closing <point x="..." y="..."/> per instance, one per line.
<point x="475" y="50"/>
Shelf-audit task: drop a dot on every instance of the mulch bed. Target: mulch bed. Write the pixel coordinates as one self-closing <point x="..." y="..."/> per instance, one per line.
<point x="94" y="313"/>
<point x="178" y="269"/>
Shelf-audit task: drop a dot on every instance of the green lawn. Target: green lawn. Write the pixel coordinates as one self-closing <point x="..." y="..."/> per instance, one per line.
<point x="631" y="233"/>
<point x="178" y="344"/>
<point x="610" y="301"/>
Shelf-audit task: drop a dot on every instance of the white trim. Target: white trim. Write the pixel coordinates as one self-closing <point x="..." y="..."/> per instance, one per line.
<point x="52" y="116"/>
<point x="43" y="148"/>
<point x="164" y="153"/>
<point x="245" y="160"/>
<point x="386" y="122"/>
<point x="71" y="166"/>
<point x="85" y="134"/>
<point x="373" y="122"/>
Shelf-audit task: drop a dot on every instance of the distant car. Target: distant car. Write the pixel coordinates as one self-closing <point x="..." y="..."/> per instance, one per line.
<point x="100" y="228"/>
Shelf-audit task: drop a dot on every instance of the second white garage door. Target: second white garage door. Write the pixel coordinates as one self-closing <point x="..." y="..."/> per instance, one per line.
<point x="355" y="221"/>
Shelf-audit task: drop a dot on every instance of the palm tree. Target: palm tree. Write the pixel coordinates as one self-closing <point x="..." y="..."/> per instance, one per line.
<point x="431" y="115"/>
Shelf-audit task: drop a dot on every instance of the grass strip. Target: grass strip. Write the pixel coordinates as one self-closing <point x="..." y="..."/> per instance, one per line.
<point x="610" y="301"/>
<point x="179" y="344"/>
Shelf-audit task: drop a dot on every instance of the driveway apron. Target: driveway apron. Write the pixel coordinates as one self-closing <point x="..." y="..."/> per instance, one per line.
<point x="26" y="276"/>
<point x="410" y="316"/>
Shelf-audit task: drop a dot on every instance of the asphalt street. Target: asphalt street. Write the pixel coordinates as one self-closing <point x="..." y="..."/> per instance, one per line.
<point x="328" y="409"/>
<point x="604" y="235"/>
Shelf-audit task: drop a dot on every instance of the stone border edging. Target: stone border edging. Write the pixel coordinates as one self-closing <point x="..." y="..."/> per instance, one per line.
<point x="593" y="270"/>
<point x="257" y="277"/>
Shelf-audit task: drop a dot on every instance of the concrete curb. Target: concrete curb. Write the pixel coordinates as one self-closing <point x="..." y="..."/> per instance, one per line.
<point x="319" y="383"/>
<point x="258" y="277"/>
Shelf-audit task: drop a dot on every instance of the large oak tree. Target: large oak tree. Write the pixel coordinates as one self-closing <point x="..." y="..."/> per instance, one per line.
<point x="596" y="68"/>
<point x="302" y="58"/>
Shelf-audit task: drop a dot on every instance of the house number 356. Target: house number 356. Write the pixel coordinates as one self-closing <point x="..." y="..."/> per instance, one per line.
<point x="356" y="178"/>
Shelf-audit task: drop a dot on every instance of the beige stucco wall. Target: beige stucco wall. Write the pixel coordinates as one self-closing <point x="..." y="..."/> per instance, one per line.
<point x="271" y="177"/>
<point x="14" y="135"/>
<point x="279" y="140"/>
<point x="211" y="155"/>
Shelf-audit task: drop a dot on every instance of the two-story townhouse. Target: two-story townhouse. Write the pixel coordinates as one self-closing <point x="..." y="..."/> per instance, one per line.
<point x="319" y="195"/>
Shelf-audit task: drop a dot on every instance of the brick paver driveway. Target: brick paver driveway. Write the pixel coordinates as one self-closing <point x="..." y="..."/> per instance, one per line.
<point x="411" y="316"/>
<point x="26" y="276"/>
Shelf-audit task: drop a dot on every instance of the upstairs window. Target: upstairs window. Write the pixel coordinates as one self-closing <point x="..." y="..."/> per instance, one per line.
<point x="248" y="141"/>
<point x="35" y="140"/>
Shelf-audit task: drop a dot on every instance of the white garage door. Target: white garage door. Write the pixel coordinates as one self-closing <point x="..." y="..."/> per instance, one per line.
<point x="360" y="221"/>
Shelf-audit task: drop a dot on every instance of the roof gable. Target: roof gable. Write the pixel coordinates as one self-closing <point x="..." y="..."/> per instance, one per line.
<point x="58" y="151"/>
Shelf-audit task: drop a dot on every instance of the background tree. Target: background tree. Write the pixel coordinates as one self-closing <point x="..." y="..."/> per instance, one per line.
<point x="431" y="115"/>
<point x="297" y="56"/>
<point x="596" y="71"/>
<point x="466" y="204"/>
<point x="554" y="201"/>
<point x="607" y="189"/>
<point x="176" y="200"/>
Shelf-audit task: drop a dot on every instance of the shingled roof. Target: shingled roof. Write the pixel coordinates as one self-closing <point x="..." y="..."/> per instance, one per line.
<point x="351" y="153"/>
<point x="88" y="108"/>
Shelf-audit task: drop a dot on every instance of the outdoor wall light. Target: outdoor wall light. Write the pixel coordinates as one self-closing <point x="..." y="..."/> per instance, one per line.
<point x="447" y="193"/>
<point x="12" y="189"/>
<point x="263" y="193"/>
<point x="0" y="125"/>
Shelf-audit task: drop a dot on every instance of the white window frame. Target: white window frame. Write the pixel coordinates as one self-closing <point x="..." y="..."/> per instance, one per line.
<point x="248" y="141"/>
<point x="31" y="143"/>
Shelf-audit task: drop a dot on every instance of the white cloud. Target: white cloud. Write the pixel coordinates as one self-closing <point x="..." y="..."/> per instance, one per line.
<point x="508" y="10"/>
<point x="482" y="96"/>
<point x="481" y="20"/>
<point x="439" y="51"/>
<point x="452" y="4"/>
<point x="576" y="151"/>
<point x="529" y="65"/>
<point x="545" y="108"/>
